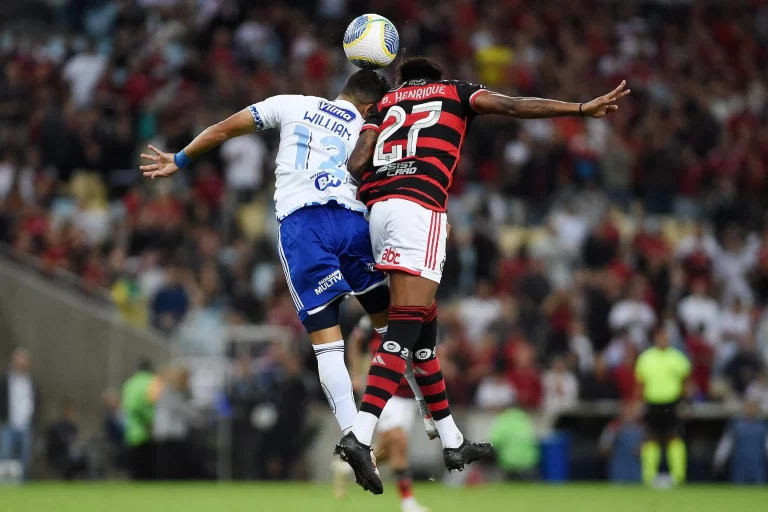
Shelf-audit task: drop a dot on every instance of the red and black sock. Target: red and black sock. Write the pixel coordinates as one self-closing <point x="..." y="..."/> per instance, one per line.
<point x="404" y="483"/>
<point x="426" y="367"/>
<point x="388" y="363"/>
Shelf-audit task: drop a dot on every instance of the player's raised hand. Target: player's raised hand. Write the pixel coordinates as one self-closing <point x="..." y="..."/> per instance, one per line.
<point x="163" y="165"/>
<point x="604" y="105"/>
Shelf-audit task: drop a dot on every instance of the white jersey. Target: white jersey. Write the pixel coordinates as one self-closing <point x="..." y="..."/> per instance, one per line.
<point x="316" y="138"/>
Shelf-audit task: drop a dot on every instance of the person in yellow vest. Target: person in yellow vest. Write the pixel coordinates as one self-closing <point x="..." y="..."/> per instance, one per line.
<point x="662" y="371"/>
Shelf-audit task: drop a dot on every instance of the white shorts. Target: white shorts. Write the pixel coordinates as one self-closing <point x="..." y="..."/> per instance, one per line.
<point x="398" y="413"/>
<point x="408" y="237"/>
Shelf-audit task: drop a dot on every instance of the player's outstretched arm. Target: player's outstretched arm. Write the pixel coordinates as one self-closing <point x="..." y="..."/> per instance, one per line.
<point x="537" y="108"/>
<point x="166" y="164"/>
<point x="361" y="156"/>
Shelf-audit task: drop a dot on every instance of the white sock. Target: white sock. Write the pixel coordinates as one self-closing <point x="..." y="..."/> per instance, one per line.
<point x="450" y="434"/>
<point x="365" y="424"/>
<point x="335" y="381"/>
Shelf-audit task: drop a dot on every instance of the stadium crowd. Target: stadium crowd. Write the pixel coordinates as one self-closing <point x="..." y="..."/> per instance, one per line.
<point x="572" y="241"/>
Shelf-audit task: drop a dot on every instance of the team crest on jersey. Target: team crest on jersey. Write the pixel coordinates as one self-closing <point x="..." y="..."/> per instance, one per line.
<point x="334" y="110"/>
<point x="329" y="179"/>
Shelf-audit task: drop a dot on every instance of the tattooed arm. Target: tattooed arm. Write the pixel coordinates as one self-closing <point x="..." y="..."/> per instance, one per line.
<point x="536" y="108"/>
<point x="362" y="154"/>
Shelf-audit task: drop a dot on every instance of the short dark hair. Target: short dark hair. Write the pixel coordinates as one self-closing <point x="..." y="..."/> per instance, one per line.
<point x="366" y="86"/>
<point x="414" y="68"/>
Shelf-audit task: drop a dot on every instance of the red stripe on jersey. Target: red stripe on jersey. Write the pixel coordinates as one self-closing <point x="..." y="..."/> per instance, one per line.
<point x="429" y="239"/>
<point x="412" y="199"/>
<point x="438" y="144"/>
<point x="439" y="164"/>
<point x="420" y="193"/>
<point x="452" y="121"/>
<point x="461" y="143"/>
<point x="376" y="184"/>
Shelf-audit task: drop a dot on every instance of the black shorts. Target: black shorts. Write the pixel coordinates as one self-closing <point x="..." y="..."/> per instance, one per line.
<point x="662" y="420"/>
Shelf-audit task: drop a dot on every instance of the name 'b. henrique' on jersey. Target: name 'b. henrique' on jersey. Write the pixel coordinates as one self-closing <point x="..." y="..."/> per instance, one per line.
<point x="316" y="138"/>
<point x="421" y="127"/>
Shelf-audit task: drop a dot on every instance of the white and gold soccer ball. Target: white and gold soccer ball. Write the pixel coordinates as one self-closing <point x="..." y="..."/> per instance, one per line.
<point x="371" y="41"/>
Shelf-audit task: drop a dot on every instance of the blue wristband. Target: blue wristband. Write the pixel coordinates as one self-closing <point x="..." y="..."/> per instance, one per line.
<point x="181" y="159"/>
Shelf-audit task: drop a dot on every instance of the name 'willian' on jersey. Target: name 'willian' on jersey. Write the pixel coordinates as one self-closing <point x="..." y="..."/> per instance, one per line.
<point x="316" y="138"/>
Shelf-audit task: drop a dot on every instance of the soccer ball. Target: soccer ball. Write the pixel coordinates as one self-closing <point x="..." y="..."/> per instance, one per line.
<point x="371" y="41"/>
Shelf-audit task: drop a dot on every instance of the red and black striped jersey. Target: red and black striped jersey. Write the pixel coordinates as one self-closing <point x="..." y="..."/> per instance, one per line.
<point x="421" y="126"/>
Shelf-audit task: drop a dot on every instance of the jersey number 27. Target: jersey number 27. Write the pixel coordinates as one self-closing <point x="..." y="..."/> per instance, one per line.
<point x="395" y="153"/>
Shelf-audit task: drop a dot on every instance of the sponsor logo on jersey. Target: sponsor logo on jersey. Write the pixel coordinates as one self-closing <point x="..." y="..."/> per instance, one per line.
<point x="328" y="281"/>
<point x="398" y="168"/>
<point x="329" y="179"/>
<point x="339" y="113"/>
<point x="390" y="256"/>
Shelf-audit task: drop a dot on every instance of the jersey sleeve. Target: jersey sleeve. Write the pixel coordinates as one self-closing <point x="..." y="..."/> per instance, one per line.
<point x="268" y="113"/>
<point x="467" y="92"/>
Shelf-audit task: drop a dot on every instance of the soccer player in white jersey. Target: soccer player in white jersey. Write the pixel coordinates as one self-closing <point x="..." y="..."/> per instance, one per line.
<point x="323" y="239"/>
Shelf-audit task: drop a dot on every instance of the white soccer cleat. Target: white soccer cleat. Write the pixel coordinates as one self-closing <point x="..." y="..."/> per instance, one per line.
<point x="430" y="427"/>
<point x="375" y="467"/>
<point x="411" y="505"/>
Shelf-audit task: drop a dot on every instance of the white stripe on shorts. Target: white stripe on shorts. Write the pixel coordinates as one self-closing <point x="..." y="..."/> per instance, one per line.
<point x="284" y="263"/>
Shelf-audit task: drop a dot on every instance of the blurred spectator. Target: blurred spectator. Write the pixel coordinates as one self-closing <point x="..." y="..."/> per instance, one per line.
<point x="757" y="392"/>
<point x="479" y="311"/>
<point x="621" y="441"/>
<point x="139" y="396"/>
<point x="127" y="295"/>
<point x="745" y="443"/>
<point x="633" y="314"/>
<point x="176" y="458"/>
<point x="744" y="366"/>
<point x="699" y="313"/>
<point x="561" y="388"/>
<point x="517" y="448"/>
<point x="113" y="428"/>
<point x="581" y="347"/>
<point x="598" y="384"/>
<point x="495" y="393"/>
<point x="64" y="445"/>
<point x="734" y="326"/>
<point x="170" y="303"/>
<point x="19" y="405"/>
<point x="525" y="377"/>
<point x="244" y="160"/>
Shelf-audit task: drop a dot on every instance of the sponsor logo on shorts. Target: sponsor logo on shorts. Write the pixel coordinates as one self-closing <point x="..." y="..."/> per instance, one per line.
<point x="424" y="354"/>
<point x="370" y="267"/>
<point x="328" y="281"/>
<point x="390" y="256"/>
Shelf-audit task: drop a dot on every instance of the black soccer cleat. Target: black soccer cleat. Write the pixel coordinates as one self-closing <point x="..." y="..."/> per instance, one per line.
<point x="358" y="456"/>
<point x="467" y="453"/>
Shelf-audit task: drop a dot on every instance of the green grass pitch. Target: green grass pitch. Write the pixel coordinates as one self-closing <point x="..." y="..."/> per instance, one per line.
<point x="204" y="497"/>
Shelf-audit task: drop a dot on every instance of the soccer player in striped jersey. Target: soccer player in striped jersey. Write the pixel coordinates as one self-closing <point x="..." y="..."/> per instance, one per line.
<point x="406" y="157"/>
